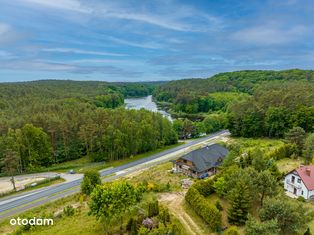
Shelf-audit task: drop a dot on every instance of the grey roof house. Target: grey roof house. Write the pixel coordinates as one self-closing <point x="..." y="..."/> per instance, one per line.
<point x="202" y="162"/>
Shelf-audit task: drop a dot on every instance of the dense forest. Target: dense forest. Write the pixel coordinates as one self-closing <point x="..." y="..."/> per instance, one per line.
<point x="46" y="122"/>
<point x="249" y="103"/>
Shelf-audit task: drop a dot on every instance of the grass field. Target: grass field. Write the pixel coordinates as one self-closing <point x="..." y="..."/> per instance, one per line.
<point x="158" y="177"/>
<point x="264" y="144"/>
<point x="287" y="164"/>
<point x="46" y="210"/>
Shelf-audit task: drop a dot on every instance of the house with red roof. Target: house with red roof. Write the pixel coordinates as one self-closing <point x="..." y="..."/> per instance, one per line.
<point x="300" y="182"/>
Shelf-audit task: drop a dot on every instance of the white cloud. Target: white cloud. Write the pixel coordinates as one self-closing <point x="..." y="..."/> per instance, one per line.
<point x="68" y="5"/>
<point x="149" y="45"/>
<point x="172" y="18"/>
<point x="151" y="19"/>
<point x="108" y="61"/>
<point x="267" y="35"/>
<point x="39" y="65"/>
<point x="79" y="51"/>
<point x="6" y="55"/>
<point x="4" y="28"/>
<point x="35" y="65"/>
<point x="7" y="34"/>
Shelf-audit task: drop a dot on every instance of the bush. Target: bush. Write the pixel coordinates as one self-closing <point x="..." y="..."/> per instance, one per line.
<point x="164" y="215"/>
<point x="308" y="232"/>
<point x="90" y="180"/>
<point x="153" y="209"/>
<point x="204" y="187"/>
<point x="68" y="210"/>
<point x="284" y="151"/>
<point x="204" y="209"/>
<point x="301" y="199"/>
<point x="132" y="226"/>
<point x="232" y="231"/>
<point x="218" y="205"/>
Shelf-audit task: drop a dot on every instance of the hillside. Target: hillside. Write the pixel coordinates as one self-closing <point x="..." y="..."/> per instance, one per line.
<point x="238" y="81"/>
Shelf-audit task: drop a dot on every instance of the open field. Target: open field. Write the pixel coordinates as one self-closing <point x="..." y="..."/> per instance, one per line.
<point x="287" y="164"/>
<point x="159" y="178"/>
<point x="264" y="144"/>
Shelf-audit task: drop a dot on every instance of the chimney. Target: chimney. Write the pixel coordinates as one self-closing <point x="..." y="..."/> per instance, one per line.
<point x="308" y="171"/>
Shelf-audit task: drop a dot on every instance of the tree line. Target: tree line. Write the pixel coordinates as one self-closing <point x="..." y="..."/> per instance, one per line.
<point x="103" y="134"/>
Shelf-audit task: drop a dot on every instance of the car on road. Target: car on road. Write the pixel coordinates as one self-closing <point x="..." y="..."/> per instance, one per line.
<point x="71" y="171"/>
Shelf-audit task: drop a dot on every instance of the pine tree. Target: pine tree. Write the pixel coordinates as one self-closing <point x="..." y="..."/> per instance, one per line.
<point x="240" y="201"/>
<point x="153" y="209"/>
<point x="307" y="232"/>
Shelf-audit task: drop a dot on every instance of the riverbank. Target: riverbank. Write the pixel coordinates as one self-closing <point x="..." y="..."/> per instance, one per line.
<point x="147" y="103"/>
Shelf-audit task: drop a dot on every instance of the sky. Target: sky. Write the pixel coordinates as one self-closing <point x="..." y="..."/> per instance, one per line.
<point x="150" y="40"/>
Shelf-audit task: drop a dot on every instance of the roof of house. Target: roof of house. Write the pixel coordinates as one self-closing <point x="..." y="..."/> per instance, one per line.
<point x="206" y="157"/>
<point x="306" y="174"/>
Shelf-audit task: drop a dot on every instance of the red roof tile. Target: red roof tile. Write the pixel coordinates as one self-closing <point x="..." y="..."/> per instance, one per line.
<point x="306" y="173"/>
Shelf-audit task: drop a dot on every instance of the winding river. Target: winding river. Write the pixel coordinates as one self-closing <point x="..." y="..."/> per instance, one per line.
<point x="145" y="103"/>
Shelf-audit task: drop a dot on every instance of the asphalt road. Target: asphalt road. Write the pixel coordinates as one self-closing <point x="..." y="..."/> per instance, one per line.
<point x="22" y="202"/>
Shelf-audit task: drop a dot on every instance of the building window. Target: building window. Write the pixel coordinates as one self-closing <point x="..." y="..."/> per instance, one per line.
<point x="299" y="180"/>
<point x="292" y="179"/>
<point x="302" y="192"/>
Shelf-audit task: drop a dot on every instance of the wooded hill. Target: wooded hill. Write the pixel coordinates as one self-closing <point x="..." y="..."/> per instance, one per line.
<point x="239" y="81"/>
<point x="257" y="103"/>
<point x="46" y="122"/>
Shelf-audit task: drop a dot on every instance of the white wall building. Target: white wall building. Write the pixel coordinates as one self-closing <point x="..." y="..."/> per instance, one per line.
<point x="300" y="182"/>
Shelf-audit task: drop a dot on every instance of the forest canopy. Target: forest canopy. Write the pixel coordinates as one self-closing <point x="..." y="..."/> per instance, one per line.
<point x="46" y="122"/>
<point x="257" y="103"/>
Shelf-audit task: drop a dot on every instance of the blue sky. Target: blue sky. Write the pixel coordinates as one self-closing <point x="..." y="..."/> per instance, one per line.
<point x="145" y="40"/>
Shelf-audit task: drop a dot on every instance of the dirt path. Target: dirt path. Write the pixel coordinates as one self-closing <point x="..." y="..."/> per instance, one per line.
<point x="174" y="202"/>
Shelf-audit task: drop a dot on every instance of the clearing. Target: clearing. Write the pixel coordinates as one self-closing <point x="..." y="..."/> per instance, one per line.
<point x="175" y="201"/>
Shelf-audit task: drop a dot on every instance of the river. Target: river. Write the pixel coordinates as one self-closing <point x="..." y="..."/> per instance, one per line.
<point x="145" y="103"/>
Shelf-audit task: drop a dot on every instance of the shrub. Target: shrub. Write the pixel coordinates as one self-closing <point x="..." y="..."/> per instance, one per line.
<point x="68" y="210"/>
<point x="218" y="205"/>
<point x="284" y="151"/>
<point x="255" y="227"/>
<point x="204" y="209"/>
<point x="205" y="187"/>
<point x="90" y="180"/>
<point x="301" y="199"/>
<point x="164" y="215"/>
<point x="232" y="231"/>
<point x="308" y="232"/>
<point x="153" y="209"/>
<point x="132" y="226"/>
